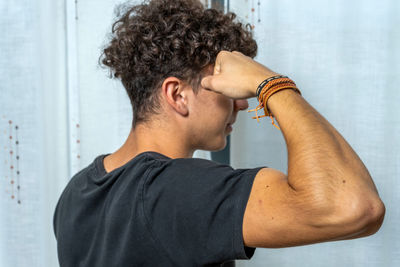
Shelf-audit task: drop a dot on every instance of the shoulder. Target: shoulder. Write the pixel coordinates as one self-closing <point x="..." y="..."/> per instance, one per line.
<point x="195" y="174"/>
<point x="194" y="167"/>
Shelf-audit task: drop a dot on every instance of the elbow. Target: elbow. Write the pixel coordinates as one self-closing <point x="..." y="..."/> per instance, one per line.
<point x="368" y="218"/>
<point x="359" y="219"/>
<point x="375" y="214"/>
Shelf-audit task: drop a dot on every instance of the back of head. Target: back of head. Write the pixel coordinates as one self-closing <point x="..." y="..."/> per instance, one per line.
<point x="162" y="38"/>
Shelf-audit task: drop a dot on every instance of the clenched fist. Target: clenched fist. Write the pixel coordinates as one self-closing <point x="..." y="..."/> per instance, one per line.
<point x="236" y="75"/>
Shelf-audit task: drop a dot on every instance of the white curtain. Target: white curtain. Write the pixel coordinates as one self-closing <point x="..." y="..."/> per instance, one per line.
<point x="345" y="58"/>
<point x="64" y="110"/>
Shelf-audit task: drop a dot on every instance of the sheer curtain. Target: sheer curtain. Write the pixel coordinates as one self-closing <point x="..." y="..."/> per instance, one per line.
<point x="344" y="57"/>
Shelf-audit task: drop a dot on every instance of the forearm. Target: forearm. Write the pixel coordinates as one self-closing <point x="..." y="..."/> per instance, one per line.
<point x="321" y="164"/>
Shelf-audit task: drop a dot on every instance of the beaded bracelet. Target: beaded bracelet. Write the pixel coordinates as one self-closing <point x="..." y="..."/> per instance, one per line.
<point x="264" y="83"/>
<point x="269" y="87"/>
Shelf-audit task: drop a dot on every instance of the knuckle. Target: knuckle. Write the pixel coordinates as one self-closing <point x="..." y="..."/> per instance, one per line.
<point x="223" y="53"/>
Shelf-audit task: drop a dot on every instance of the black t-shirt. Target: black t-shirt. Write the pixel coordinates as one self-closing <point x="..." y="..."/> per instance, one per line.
<point x="153" y="211"/>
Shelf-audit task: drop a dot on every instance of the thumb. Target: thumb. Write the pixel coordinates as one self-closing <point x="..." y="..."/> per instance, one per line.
<point x="212" y="82"/>
<point x="206" y="82"/>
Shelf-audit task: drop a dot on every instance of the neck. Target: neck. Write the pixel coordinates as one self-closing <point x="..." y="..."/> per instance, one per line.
<point x="143" y="138"/>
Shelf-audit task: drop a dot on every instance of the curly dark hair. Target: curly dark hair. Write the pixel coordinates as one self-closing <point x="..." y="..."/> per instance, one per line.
<point x="162" y="38"/>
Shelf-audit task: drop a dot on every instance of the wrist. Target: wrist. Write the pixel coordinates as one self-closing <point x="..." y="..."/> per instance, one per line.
<point x="277" y="86"/>
<point x="260" y="79"/>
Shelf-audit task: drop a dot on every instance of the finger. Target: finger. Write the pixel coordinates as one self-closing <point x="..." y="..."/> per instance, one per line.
<point x="217" y="68"/>
<point x="217" y="65"/>
<point x="238" y="53"/>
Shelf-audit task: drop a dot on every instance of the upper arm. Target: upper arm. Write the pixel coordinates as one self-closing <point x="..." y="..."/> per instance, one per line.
<point x="278" y="216"/>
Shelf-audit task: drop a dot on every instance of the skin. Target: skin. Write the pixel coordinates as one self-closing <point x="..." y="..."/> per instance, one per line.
<point x="187" y="122"/>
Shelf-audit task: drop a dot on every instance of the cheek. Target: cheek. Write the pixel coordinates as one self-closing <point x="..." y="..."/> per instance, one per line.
<point x="224" y="105"/>
<point x="213" y="108"/>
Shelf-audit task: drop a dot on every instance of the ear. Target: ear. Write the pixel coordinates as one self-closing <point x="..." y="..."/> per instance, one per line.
<point x="173" y="91"/>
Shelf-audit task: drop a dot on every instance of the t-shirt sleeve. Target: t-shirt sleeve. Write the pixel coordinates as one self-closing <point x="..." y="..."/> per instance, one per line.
<point x="194" y="209"/>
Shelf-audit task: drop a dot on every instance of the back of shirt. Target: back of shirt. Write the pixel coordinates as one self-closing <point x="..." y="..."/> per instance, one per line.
<point x="153" y="211"/>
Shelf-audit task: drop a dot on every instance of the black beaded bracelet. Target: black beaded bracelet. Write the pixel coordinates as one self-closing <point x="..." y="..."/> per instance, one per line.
<point x="262" y="85"/>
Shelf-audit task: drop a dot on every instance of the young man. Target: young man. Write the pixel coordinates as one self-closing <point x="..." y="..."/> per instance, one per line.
<point x="188" y="72"/>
